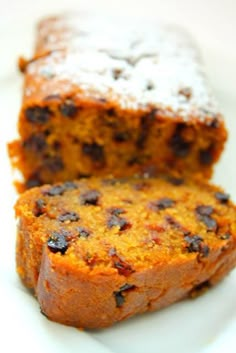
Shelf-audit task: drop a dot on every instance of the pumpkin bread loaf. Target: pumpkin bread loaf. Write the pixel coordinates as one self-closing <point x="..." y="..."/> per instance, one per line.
<point x="106" y="97"/>
<point x="97" y="251"/>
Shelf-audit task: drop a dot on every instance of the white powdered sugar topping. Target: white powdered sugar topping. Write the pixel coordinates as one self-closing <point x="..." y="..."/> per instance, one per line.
<point x="135" y="64"/>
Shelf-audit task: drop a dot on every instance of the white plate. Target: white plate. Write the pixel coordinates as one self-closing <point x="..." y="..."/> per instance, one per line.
<point x="206" y="324"/>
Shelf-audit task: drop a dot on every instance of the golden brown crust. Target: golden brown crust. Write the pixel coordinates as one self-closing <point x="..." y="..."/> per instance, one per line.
<point x="99" y="251"/>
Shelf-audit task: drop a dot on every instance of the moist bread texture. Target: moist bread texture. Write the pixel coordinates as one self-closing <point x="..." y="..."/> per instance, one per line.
<point x="101" y="98"/>
<point x="97" y="251"/>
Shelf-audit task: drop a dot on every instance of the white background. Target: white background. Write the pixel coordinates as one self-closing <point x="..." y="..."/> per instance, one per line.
<point x="206" y="325"/>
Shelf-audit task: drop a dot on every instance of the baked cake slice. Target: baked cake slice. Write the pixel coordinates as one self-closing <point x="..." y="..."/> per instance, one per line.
<point x="97" y="251"/>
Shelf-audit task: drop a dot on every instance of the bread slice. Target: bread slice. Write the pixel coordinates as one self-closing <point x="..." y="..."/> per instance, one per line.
<point x="97" y="251"/>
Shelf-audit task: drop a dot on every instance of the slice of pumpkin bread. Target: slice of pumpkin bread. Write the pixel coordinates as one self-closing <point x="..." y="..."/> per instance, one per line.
<point x="97" y="251"/>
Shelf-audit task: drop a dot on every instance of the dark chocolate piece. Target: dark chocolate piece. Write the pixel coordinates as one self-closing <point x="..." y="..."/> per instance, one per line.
<point x="161" y="204"/>
<point x="54" y="190"/>
<point x="33" y="181"/>
<point x="121" y="136"/>
<point x="222" y="197"/>
<point x="90" y="197"/>
<point x="145" y="126"/>
<point x="206" y="156"/>
<point x="121" y="222"/>
<point x="68" y="108"/>
<point x="204" y="215"/>
<point x="35" y="143"/>
<point x="70" y="185"/>
<point x="68" y="216"/>
<point x="38" y="115"/>
<point x="179" y="146"/>
<point x="54" y="163"/>
<point x="195" y="244"/>
<point x="57" y="243"/>
<point x="83" y="232"/>
<point x="94" y="151"/>
<point x="119" y="297"/>
<point x="186" y="92"/>
<point x="39" y="207"/>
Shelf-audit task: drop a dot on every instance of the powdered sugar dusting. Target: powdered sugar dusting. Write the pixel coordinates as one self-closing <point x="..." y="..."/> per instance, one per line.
<point x="133" y="64"/>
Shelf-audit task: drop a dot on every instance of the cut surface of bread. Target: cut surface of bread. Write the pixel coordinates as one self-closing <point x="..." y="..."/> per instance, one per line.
<point x="97" y="251"/>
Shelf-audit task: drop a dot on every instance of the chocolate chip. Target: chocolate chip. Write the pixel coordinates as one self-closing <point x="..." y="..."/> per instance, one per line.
<point x="204" y="215"/>
<point x="94" y="151"/>
<point x="116" y="73"/>
<point x="68" y="216"/>
<point x="209" y="222"/>
<point x="119" y="297"/>
<point x="38" y="115"/>
<point x="214" y="123"/>
<point x="200" y="289"/>
<point x="39" y="208"/>
<point x="121" y="136"/>
<point x="146" y="123"/>
<point x="201" y="286"/>
<point x="68" y="108"/>
<point x="204" y="210"/>
<point x="35" y="143"/>
<point x="179" y="146"/>
<point x="54" y="164"/>
<point x="186" y="92"/>
<point x="111" y="112"/>
<point x="206" y="156"/>
<point x="70" y="185"/>
<point x="222" y="197"/>
<point x="55" y="190"/>
<point x="121" y="222"/>
<point x="204" y="250"/>
<point x="161" y="204"/>
<point x="150" y="86"/>
<point x="33" y="181"/>
<point x="116" y="211"/>
<point x="195" y="244"/>
<point x="175" y="181"/>
<point x="57" y="243"/>
<point x="83" y="232"/>
<point x="90" y="197"/>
